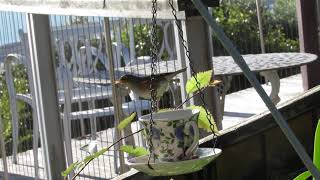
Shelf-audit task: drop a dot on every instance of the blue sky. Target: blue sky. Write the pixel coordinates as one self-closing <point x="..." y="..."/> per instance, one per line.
<point x="10" y="23"/>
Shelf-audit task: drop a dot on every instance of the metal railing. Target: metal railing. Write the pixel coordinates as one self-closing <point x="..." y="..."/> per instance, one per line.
<point x="78" y="44"/>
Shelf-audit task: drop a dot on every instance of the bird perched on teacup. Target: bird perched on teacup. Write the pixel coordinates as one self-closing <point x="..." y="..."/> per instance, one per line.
<point x="141" y="85"/>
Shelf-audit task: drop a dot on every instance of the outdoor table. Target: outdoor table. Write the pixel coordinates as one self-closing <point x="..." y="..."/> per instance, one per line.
<point x="265" y="64"/>
<point x="224" y="68"/>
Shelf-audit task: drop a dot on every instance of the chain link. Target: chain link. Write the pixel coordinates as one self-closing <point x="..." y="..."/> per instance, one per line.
<point x="154" y="60"/>
<point x="193" y="72"/>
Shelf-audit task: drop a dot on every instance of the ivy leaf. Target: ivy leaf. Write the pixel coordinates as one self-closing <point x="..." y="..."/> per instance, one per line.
<point x="203" y="121"/>
<point x="124" y="123"/>
<point x="202" y="77"/>
<point x="138" y="151"/>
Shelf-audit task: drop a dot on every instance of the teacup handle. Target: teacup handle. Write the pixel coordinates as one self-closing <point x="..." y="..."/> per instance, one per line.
<point x="195" y="142"/>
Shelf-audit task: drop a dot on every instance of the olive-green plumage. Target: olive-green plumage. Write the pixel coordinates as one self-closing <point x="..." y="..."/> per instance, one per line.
<point x="141" y="85"/>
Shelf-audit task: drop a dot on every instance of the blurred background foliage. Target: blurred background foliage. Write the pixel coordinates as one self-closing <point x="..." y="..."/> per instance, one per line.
<point x="24" y="110"/>
<point x="239" y="21"/>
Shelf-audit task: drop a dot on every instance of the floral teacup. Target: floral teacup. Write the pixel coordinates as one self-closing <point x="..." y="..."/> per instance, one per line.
<point x="175" y="134"/>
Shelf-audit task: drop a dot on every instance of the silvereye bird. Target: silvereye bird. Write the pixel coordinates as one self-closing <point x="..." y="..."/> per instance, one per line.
<point x="141" y="85"/>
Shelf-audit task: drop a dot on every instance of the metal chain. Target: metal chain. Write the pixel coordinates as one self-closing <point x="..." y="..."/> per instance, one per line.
<point x="193" y="72"/>
<point x="154" y="59"/>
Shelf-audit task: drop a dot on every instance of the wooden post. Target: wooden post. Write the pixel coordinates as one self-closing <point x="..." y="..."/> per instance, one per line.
<point x="309" y="40"/>
<point x="43" y="74"/>
<point x="196" y="33"/>
<point x="117" y="100"/>
<point x="226" y="42"/>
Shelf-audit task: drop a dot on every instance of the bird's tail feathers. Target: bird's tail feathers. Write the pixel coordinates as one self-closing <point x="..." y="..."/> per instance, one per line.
<point x="171" y="75"/>
<point x="179" y="71"/>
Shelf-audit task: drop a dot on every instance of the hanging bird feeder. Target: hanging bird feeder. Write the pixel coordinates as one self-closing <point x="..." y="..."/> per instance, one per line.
<point x="172" y="136"/>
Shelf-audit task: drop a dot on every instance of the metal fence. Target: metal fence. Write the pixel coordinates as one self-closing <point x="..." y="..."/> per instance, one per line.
<point x="84" y="92"/>
<point x="86" y="107"/>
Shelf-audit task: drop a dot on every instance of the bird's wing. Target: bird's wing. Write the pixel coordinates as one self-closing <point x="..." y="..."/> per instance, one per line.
<point x="146" y="84"/>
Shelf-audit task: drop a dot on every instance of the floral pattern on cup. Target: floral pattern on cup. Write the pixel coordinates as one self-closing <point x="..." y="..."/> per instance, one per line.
<point x="176" y="138"/>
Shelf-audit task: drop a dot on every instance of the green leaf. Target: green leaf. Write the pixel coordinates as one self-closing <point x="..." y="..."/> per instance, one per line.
<point x="316" y="155"/>
<point x="202" y="119"/>
<point x="124" y="123"/>
<point x="138" y="151"/>
<point x="316" y="151"/>
<point x="79" y="165"/>
<point x="202" y="77"/>
<point x="303" y="176"/>
<point x="69" y="169"/>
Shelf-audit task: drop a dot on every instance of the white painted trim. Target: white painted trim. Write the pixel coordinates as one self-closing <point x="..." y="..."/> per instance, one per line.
<point x="40" y="9"/>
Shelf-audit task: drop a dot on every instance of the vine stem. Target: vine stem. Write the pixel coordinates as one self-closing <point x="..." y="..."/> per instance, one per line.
<point x="77" y="174"/>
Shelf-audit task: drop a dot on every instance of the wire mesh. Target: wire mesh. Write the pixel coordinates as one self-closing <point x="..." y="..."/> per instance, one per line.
<point x="21" y="131"/>
<point x="80" y="48"/>
<point x="84" y="89"/>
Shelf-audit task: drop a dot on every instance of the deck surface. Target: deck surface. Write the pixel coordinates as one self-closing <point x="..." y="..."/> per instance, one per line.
<point x="246" y="103"/>
<point x="238" y="106"/>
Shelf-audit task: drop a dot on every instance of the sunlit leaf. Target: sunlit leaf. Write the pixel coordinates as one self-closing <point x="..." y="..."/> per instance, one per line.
<point x="81" y="164"/>
<point x="316" y="151"/>
<point x="303" y="176"/>
<point x="203" y="78"/>
<point x="69" y="169"/>
<point x="124" y="123"/>
<point x="137" y="151"/>
<point x="203" y="120"/>
<point x="316" y="155"/>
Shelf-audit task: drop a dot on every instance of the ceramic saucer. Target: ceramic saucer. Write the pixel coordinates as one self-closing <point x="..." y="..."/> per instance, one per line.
<point x="203" y="157"/>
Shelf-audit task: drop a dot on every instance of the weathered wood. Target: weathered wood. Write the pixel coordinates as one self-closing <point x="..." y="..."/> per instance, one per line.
<point x="182" y="59"/>
<point x="255" y="83"/>
<point x="261" y="122"/>
<point x="65" y="75"/>
<point x="116" y="97"/>
<point x="196" y="33"/>
<point x="309" y="39"/>
<point x="43" y="72"/>
<point x="113" y="8"/>
<point x="218" y="101"/>
<point x="256" y="148"/>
